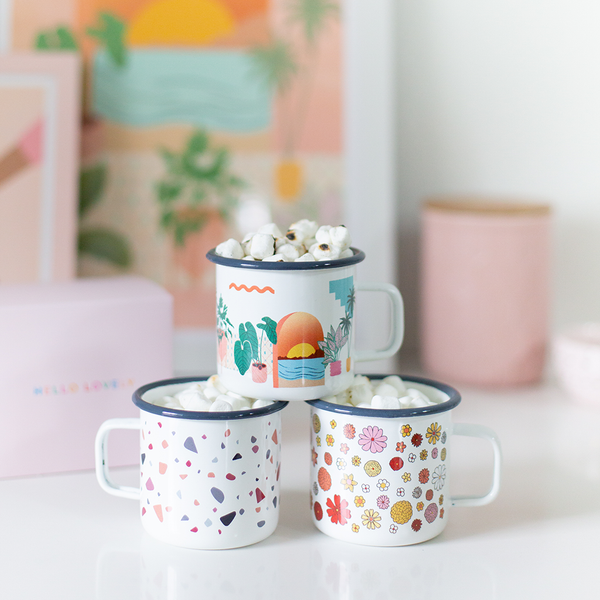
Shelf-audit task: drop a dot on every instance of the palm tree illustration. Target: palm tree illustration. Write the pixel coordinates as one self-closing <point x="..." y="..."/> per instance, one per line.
<point x="279" y="67"/>
<point x="346" y="320"/>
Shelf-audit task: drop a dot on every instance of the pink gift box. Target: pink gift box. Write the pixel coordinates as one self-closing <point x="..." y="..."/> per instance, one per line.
<point x="72" y="355"/>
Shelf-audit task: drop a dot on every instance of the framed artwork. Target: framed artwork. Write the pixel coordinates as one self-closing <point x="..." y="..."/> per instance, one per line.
<point x="39" y="134"/>
<point x="206" y="118"/>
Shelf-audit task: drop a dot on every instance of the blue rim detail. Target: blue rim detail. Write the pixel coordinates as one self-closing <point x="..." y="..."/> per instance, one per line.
<point x="452" y="402"/>
<point x="197" y="415"/>
<point x="359" y="256"/>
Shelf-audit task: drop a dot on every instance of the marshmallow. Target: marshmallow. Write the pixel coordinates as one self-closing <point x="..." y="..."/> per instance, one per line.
<point x="323" y="236"/>
<point x="396" y="382"/>
<point x="307" y="257"/>
<point x="237" y="402"/>
<point x="247" y="241"/>
<point x="220" y="405"/>
<point x="304" y="236"/>
<point x="230" y="249"/>
<point x="384" y="389"/>
<point x="326" y="252"/>
<point x="296" y="238"/>
<point x="209" y="396"/>
<point x="289" y="252"/>
<point x="167" y="402"/>
<point x="271" y="229"/>
<point x="214" y="381"/>
<point x="343" y="397"/>
<point x="419" y="402"/>
<point x="340" y="237"/>
<point x="416" y="394"/>
<point x="389" y="402"/>
<point x="260" y="403"/>
<point x="405" y="402"/>
<point x="305" y="228"/>
<point x="388" y="393"/>
<point x="262" y="245"/>
<point x="211" y="393"/>
<point x="361" y="393"/>
<point x="193" y="399"/>
<point x="275" y="258"/>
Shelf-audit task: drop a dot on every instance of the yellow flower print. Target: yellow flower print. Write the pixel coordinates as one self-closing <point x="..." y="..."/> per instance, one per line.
<point x="356" y="461"/>
<point x="371" y="518"/>
<point x="406" y="477"/>
<point x="316" y="423"/>
<point x="359" y="501"/>
<point x="329" y="439"/>
<point x="318" y="441"/>
<point x="433" y="434"/>
<point x="348" y="482"/>
<point x="420" y="506"/>
<point x="333" y="424"/>
<point x="441" y="501"/>
<point x="406" y="430"/>
<point x="355" y="528"/>
<point x="443" y="454"/>
<point x="401" y="512"/>
<point x="423" y="455"/>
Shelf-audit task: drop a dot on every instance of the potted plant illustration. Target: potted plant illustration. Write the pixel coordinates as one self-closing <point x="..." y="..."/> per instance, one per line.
<point x="197" y="195"/>
<point x="248" y="350"/>
<point x="224" y="328"/>
<point x="332" y="344"/>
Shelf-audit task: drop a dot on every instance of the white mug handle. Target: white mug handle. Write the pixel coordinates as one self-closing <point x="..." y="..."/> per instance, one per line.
<point x="468" y="429"/>
<point x="102" y="474"/>
<point x="397" y="322"/>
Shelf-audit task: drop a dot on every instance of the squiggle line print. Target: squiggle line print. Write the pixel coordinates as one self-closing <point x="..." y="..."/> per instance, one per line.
<point x="254" y="288"/>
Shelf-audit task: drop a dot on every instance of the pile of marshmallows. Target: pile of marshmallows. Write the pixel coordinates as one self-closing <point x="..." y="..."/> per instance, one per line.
<point x="213" y="396"/>
<point x="387" y="393"/>
<point x="209" y="396"/>
<point x="304" y="241"/>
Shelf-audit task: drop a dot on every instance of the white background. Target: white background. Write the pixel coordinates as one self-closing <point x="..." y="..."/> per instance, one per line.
<point x="502" y="98"/>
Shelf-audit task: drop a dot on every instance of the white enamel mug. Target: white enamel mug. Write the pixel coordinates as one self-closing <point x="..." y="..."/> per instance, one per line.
<point x="207" y="480"/>
<point x="382" y="477"/>
<point x="285" y="330"/>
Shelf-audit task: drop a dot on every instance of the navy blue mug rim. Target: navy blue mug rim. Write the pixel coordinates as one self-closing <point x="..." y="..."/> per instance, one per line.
<point x="453" y="401"/>
<point x="199" y="415"/>
<point x="358" y="256"/>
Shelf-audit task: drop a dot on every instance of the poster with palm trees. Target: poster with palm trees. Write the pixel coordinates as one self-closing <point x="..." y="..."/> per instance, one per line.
<point x="200" y="119"/>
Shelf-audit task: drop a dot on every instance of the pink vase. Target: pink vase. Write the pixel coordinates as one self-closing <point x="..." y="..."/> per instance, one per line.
<point x="259" y="372"/>
<point x="485" y="289"/>
<point x="335" y="368"/>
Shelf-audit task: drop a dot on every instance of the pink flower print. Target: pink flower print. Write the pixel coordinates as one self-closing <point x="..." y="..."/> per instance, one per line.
<point x="372" y="439"/>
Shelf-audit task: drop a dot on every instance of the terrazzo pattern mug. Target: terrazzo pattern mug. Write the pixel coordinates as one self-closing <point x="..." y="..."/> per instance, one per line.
<point x="382" y="477"/>
<point x="285" y="330"/>
<point x="207" y="480"/>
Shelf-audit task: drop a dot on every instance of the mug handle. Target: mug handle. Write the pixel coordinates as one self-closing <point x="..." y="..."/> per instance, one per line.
<point x="397" y="326"/>
<point x="102" y="474"/>
<point x="468" y="429"/>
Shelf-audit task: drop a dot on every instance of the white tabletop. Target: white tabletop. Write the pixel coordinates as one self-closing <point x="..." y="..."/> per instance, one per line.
<point x="62" y="537"/>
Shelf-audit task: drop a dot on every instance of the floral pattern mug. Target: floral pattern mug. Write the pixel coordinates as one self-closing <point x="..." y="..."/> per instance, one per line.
<point x="381" y="477"/>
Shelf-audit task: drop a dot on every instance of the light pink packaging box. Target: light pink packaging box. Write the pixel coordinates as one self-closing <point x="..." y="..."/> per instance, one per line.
<point x="71" y="355"/>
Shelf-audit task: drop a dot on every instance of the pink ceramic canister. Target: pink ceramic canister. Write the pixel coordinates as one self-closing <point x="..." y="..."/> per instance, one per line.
<point x="485" y="290"/>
